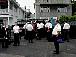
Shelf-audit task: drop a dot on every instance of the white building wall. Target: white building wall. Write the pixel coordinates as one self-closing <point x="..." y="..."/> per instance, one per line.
<point x="20" y="14"/>
<point x="13" y="14"/>
<point x="16" y="15"/>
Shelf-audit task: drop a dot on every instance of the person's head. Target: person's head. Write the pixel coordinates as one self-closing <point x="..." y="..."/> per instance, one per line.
<point x="57" y="21"/>
<point x="15" y="23"/>
<point x="65" y="22"/>
<point x="1" y="25"/>
<point x="46" y="21"/>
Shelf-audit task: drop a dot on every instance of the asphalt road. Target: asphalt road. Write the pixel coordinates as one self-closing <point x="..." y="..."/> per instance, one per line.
<point x="40" y="48"/>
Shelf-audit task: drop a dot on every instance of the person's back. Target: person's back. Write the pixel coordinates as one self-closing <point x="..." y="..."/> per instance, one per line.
<point x="66" y="30"/>
<point x="42" y="25"/>
<point x="38" y="26"/>
<point x="24" y="27"/>
<point x="29" y="27"/>
<point x="16" y="29"/>
<point x="66" y="26"/>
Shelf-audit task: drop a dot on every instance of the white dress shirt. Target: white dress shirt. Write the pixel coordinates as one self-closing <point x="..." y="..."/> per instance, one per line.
<point x="38" y="26"/>
<point x="29" y="27"/>
<point x="16" y="29"/>
<point x="24" y="27"/>
<point x="42" y="25"/>
<point x="48" y="25"/>
<point x="56" y="29"/>
<point x="66" y="26"/>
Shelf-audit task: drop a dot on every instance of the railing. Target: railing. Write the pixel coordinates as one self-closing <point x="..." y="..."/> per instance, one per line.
<point x="3" y="11"/>
<point x="54" y="1"/>
<point x="54" y="14"/>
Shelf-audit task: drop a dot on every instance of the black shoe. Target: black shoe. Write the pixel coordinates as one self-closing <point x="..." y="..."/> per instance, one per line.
<point x="31" y="42"/>
<point x="18" y="45"/>
<point x="54" y="51"/>
<point x="67" y="41"/>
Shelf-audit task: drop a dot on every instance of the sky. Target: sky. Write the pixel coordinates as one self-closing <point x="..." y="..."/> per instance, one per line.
<point x="28" y="3"/>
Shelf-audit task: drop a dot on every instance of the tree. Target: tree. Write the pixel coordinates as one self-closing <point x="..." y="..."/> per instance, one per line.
<point x="67" y="18"/>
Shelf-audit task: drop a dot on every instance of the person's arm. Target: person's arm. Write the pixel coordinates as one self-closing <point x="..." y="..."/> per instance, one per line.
<point x="32" y="27"/>
<point x="59" y="29"/>
<point x="13" y="29"/>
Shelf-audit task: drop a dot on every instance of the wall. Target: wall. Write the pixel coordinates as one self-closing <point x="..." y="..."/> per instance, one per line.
<point x="16" y="13"/>
<point x="53" y="1"/>
<point x="53" y="10"/>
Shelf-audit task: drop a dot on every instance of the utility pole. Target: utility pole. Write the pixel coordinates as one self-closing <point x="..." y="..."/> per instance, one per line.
<point x="26" y="15"/>
<point x="8" y="10"/>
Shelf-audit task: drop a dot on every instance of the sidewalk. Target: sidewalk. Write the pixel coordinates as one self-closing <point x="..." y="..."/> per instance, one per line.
<point x="40" y="48"/>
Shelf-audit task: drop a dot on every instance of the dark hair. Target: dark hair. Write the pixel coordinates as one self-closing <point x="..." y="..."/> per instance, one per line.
<point x="57" y="21"/>
<point x="49" y="21"/>
<point x="15" y="22"/>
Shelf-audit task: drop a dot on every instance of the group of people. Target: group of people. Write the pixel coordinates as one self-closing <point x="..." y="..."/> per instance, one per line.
<point x="40" y="30"/>
<point x="52" y="33"/>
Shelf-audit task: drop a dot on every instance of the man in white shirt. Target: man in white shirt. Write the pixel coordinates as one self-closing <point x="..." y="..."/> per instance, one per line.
<point x="56" y="32"/>
<point x="66" y="29"/>
<point x="25" y="31"/>
<point x="39" y="31"/>
<point x="29" y="29"/>
<point x="16" y="35"/>
<point x="48" y="28"/>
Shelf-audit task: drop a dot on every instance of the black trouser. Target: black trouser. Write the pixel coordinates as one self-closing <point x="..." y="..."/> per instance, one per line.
<point x="30" y="36"/>
<point x="5" y="43"/>
<point x="26" y="35"/>
<point x="49" y="35"/>
<point x="16" y="39"/>
<point x="56" y="44"/>
<point x="34" y="34"/>
<point x="38" y="34"/>
<point x="66" y="34"/>
<point x="41" y="32"/>
<point x="20" y="35"/>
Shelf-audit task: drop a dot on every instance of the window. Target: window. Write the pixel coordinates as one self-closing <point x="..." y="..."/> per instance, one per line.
<point x="48" y="9"/>
<point x="15" y="8"/>
<point x="19" y="11"/>
<point x="44" y="0"/>
<point x="59" y="10"/>
<point x="4" y="6"/>
<point x="62" y="9"/>
<point x="41" y="9"/>
<point x="11" y="6"/>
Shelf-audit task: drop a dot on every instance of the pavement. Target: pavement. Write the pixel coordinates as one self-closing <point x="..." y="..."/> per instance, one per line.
<point x="40" y="48"/>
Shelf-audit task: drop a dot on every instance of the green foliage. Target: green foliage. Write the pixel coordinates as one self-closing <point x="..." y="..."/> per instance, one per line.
<point x="67" y="18"/>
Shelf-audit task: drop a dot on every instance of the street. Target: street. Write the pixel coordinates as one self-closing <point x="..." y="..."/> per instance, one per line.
<point x="40" y="48"/>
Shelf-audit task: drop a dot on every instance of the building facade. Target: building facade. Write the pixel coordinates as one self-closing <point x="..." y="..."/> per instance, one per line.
<point x="52" y="8"/>
<point x="10" y="12"/>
